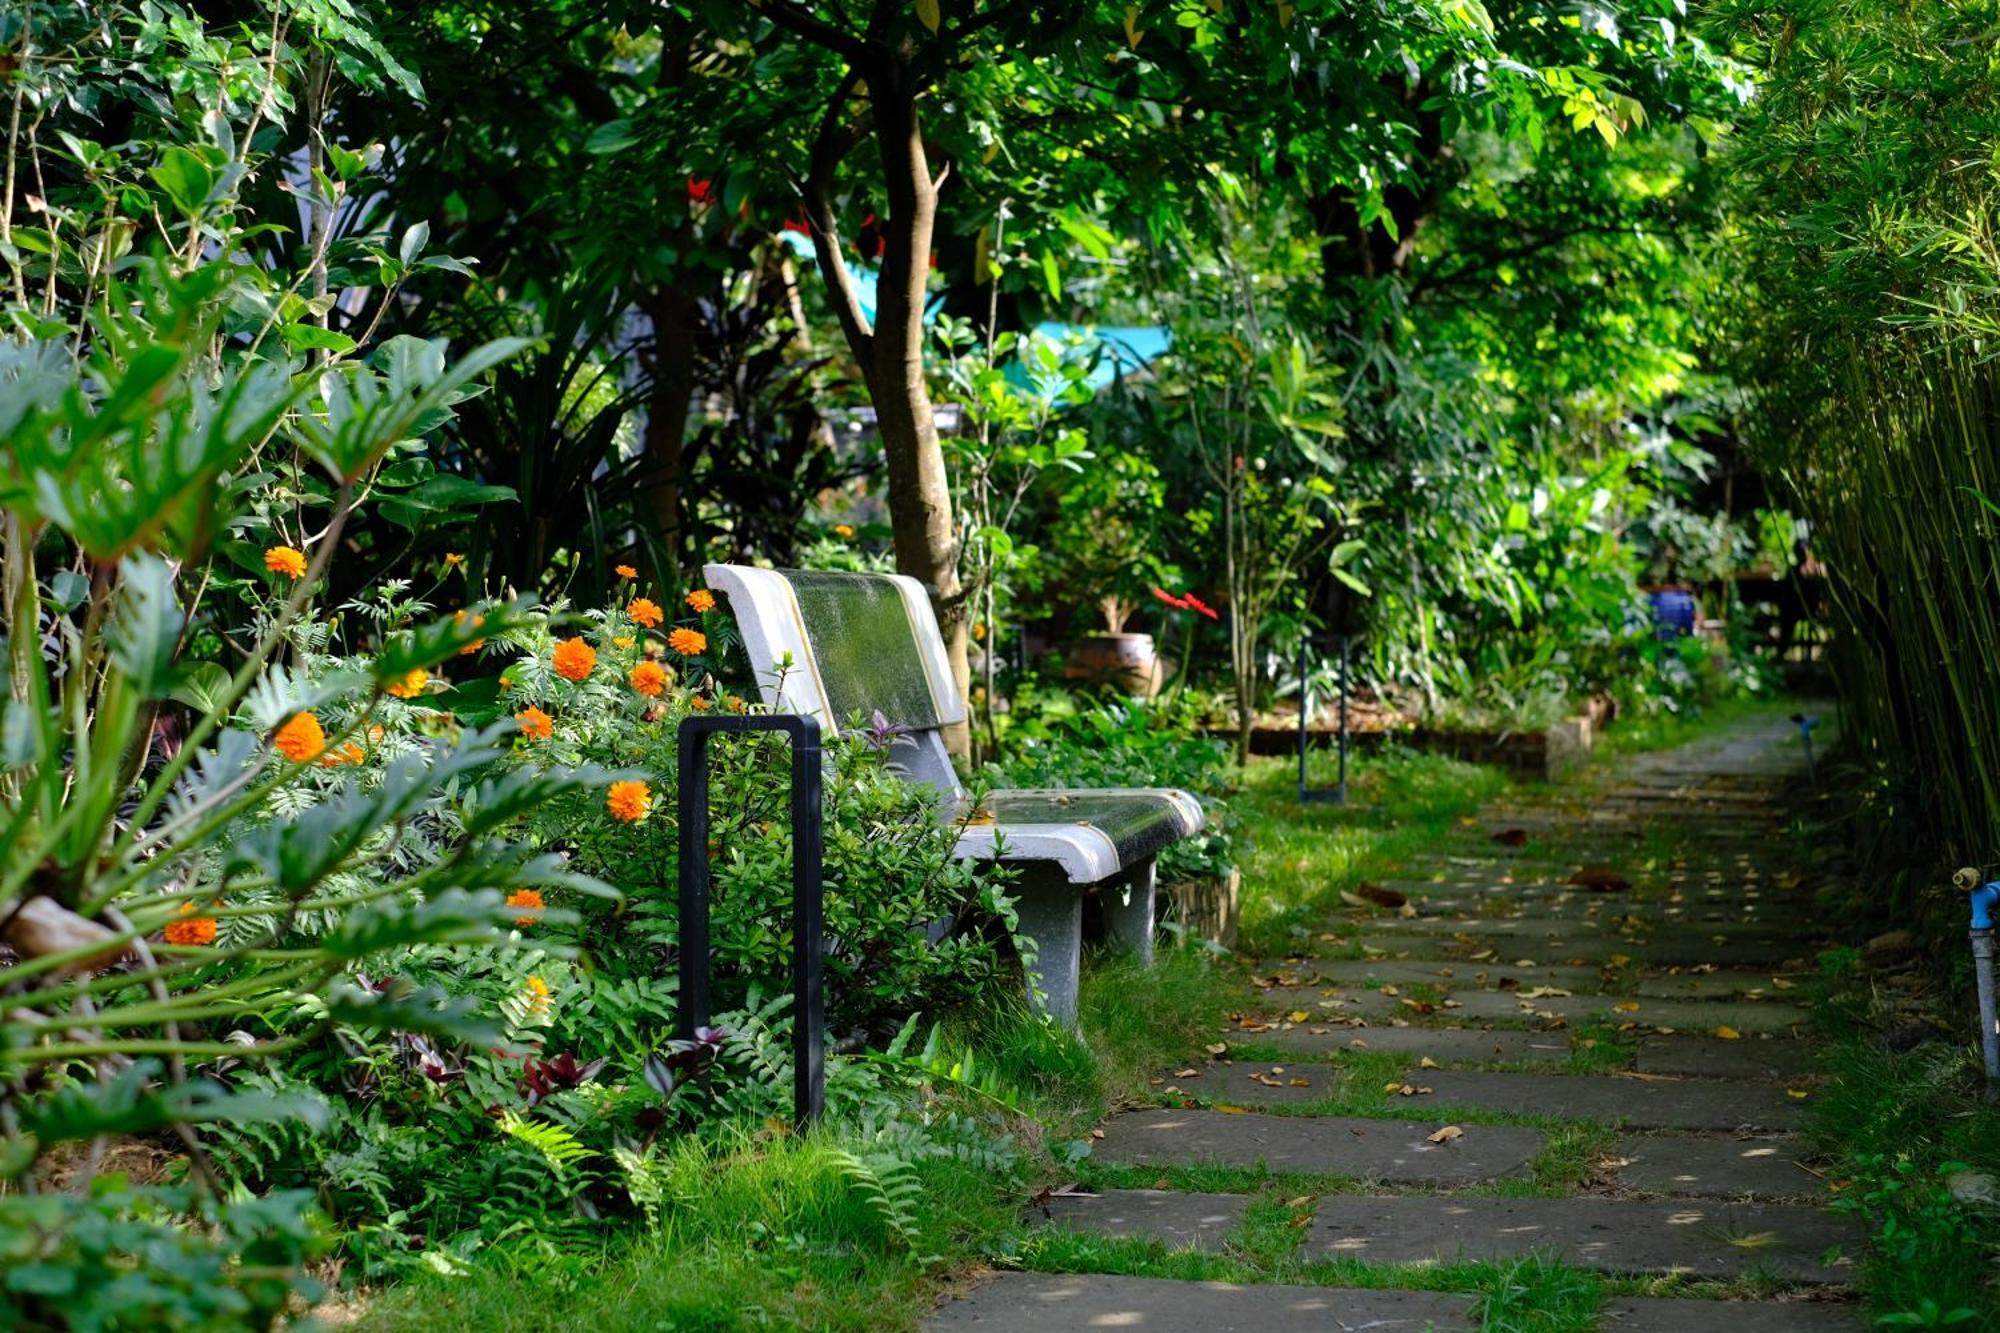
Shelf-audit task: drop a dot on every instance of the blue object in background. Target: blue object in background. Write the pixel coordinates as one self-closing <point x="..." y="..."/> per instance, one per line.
<point x="1673" y="613"/>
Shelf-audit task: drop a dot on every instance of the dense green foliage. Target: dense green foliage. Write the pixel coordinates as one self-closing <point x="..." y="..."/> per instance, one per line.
<point x="1866" y="217"/>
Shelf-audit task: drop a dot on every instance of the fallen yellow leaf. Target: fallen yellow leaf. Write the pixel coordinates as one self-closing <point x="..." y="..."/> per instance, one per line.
<point x="1445" y="1135"/>
<point x="1728" y="1033"/>
<point x="1300" y="1015"/>
<point x="1427" y="1063"/>
<point x="1627" y="1006"/>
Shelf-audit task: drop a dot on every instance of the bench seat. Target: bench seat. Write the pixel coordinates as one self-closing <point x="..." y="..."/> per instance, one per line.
<point x="838" y="646"/>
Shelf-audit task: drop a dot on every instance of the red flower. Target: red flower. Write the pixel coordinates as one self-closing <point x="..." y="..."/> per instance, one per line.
<point x="1170" y="599"/>
<point x="1194" y="603"/>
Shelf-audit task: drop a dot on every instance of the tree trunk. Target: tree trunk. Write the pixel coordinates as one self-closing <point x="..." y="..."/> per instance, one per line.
<point x="891" y="353"/>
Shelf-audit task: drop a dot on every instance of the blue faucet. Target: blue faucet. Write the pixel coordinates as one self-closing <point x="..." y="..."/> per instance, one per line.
<point x="1984" y="899"/>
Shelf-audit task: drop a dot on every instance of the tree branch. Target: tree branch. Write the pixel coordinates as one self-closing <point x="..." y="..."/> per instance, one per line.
<point x="813" y="28"/>
<point x="835" y="140"/>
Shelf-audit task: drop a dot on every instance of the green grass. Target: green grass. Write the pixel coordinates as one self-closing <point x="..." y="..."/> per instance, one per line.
<point x="1298" y="858"/>
<point x="1900" y="1131"/>
<point x="768" y="1231"/>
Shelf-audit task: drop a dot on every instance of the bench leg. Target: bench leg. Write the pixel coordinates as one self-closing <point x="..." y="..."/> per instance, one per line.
<point x="1051" y="912"/>
<point x="1128" y="911"/>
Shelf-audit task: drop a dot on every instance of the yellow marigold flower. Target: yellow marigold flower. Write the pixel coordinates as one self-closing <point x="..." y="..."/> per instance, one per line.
<point x="701" y="601"/>
<point x="286" y="560"/>
<point x="537" y="994"/>
<point x="843" y="531"/>
<point x="410" y="686"/>
<point x="301" y="739"/>
<point x="629" y="802"/>
<point x="646" y="612"/>
<point x="688" y="642"/>
<point x="700" y="703"/>
<point x="649" y="678"/>
<point x="734" y="703"/>
<point x="191" y="929"/>
<point x="624" y="641"/>
<point x="626" y="572"/>
<point x="535" y="724"/>
<point x="349" y="753"/>
<point x="530" y="901"/>
<point x="453" y="559"/>
<point x="575" y="659"/>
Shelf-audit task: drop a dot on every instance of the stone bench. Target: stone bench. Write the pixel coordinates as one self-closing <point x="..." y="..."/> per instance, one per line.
<point x="862" y="644"/>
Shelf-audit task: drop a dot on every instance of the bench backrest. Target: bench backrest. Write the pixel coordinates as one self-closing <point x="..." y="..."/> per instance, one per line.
<point x="859" y="644"/>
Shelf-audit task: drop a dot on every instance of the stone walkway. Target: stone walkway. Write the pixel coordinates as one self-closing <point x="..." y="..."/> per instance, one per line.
<point x="1581" y="1036"/>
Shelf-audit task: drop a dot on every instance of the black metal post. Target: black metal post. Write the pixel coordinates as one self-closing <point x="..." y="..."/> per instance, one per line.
<point x="1341" y="799"/>
<point x="1305" y="705"/>
<point x="808" y="894"/>
<point x="1336" y="795"/>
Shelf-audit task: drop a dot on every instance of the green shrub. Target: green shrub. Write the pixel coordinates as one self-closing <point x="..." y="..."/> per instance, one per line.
<point x="1130" y="745"/>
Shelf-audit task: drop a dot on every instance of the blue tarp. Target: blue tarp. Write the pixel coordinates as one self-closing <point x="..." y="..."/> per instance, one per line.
<point x="1125" y="347"/>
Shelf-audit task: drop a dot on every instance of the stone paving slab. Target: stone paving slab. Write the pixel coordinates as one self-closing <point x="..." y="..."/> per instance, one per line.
<point x="1641" y="1314"/>
<point x="1708" y="1240"/>
<point x="1692" y="1166"/>
<point x="1523" y="1006"/>
<point x="1735" y="983"/>
<point x="1589" y="947"/>
<point x="1178" y="1221"/>
<point x="1250" y="1083"/>
<point x="1050" y="1302"/>
<point x="1639" y="1103"/>
<point x="1771" y="1059"/>
<point x="1391" y="1151"/>
<point x="1445" y="1045"/>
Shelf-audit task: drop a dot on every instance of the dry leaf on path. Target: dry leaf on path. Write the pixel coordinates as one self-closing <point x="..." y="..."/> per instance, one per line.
<point x="1445" y="1135"/>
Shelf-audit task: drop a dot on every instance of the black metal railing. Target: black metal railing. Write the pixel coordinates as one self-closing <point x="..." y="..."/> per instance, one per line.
<point x="808" y="895"/>
<point x="1335" y="795"/>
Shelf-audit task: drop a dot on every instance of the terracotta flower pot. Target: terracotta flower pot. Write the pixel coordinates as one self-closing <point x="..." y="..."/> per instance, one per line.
<point x="1125" y="660"/>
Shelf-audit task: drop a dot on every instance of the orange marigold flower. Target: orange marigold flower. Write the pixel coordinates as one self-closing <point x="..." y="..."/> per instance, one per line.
<point x="575" y="659"/>
<point x="301" y="739"/>
<point x="453" y="558"/>
<point x="535" y="724"/>
<point x="700" y="703"/>
<point x="626" y="572"/>
<point x="629" y="802"/>
<point x="286" y="560"/>
<point x="701" y="601"/>
<point x="646" y="612"/>
<point x="979" y="632"/>
<point x="476" y="644"/>
<point x="843" y="531"/>
<point x="530" y="901"/>
<point x="734" y="703"/>
<point x="191" y="929"/>
<point x="688" y="642"/>
<point x="649" y="678"/>
<point x="349" y="753"/>
<point x="410" y="686"/>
